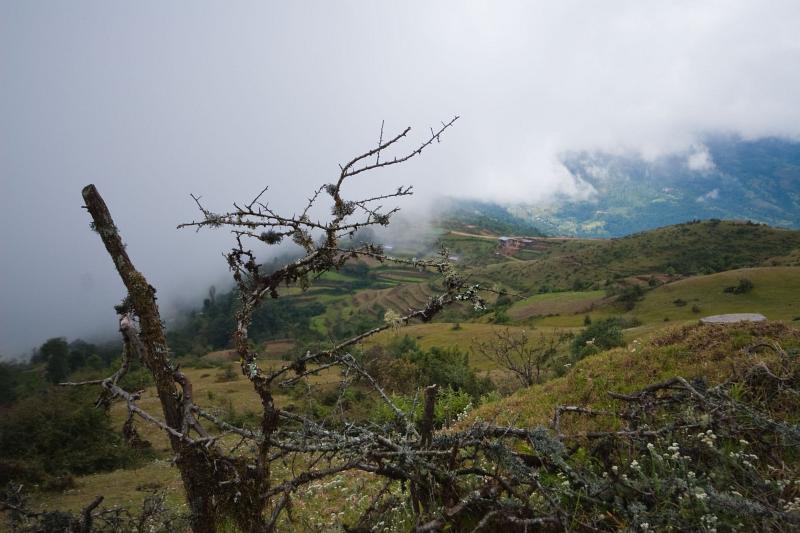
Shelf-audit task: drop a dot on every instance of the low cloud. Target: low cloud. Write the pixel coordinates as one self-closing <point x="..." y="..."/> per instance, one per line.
<point x="700" y="159"/>
<point x="710" y="195"/>
<point x="152" y="101"/>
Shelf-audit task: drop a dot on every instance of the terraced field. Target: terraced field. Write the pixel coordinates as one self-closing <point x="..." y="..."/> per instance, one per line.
<point x="400" y="298"/>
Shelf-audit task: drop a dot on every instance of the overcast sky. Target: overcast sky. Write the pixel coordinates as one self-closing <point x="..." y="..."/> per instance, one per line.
<point x="153" y="100"/>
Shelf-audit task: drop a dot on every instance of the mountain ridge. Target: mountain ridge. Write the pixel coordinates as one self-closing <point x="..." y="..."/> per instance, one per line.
<point x="724" y="178"/>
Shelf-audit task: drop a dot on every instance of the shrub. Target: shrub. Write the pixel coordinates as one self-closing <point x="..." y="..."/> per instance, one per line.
<point x="448" y="367"/>
<point x="504" y="300"/>
<point x="744" y="286"/>
<point x="137" y="379"/>
<point x="394" y="373"/>
<point x="599" y="336"/>
<point x="59" y="433"/>
<point x="8" y="383"/>
<point x="451" y="405"/>
<point x="245" y="418"/>
<point x="402" y="365"/>
<point x="227" y="374"/>
<point x="501" y="317"/>
<point x="629" y="295"/>
<point x="580" y="285"/>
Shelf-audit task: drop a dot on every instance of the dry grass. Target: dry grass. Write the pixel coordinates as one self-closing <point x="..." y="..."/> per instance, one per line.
<point x="708" y="352"/>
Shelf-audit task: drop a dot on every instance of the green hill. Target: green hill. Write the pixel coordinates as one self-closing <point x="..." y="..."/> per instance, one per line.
<point x="776" y="295"/>
<point x="685" y="249"/>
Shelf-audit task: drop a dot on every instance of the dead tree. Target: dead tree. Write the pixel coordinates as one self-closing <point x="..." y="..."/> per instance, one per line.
<point x="516" y="353"/>
<point x="150" y="346"/>
<point x="219" y="485"/>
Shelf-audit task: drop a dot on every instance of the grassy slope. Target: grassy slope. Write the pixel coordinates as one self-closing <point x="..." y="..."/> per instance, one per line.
<point x="693" y="351"/>
<point x="555" y="303"/>
<point x="776" y="295"/>
<point x="792" y="258"/>
<point x="710" y="352"/>
<point x="128" y="488"/>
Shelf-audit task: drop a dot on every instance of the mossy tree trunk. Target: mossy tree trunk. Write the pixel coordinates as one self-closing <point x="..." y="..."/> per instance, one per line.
<point x="192" y="461"/>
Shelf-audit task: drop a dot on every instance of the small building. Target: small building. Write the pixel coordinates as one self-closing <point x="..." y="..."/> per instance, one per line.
<point x="509" y="244"/>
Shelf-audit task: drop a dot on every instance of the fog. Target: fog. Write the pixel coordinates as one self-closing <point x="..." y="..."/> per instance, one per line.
<point x="153" y="100"/>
